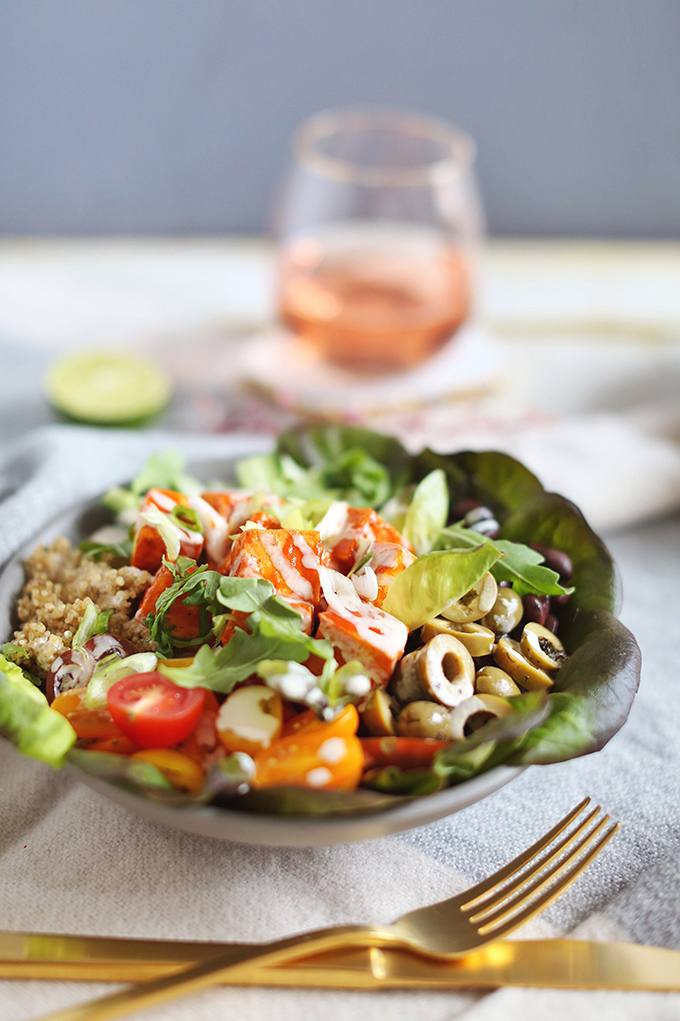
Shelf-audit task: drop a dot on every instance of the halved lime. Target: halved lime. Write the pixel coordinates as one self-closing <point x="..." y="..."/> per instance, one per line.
<point x="108" y="388"/>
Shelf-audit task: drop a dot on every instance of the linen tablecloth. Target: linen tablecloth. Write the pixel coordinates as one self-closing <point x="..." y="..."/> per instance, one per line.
<point x="73" y="862"/>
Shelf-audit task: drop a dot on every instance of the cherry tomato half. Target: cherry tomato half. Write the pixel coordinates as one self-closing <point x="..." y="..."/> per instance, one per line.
<point x="152" y="711"/>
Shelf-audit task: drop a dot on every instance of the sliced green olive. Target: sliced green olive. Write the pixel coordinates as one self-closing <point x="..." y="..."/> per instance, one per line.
<point x="446" y="670"/>
<point x="509" y="657"/>
<point x="542" y="647"/>
<point x="478" y="640"/>
<point x="506" y="612"/>
<point x="474" y="712"/>
<point x="377" y="714"/>
<point x="405" y="684"/>
<point x="491" y="680"/>
<point x="475" y="603"/>
<point x="424" y="719"/>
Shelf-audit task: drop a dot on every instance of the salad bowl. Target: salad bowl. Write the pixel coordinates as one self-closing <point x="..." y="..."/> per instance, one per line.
<point x="590" y="701"/>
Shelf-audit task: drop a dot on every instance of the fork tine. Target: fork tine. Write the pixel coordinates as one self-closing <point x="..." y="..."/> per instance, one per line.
<point x="493" y="913"/>
<point x="565" y="880"/>
<point x="495" y="897"/>
<point x="492" y="882"/>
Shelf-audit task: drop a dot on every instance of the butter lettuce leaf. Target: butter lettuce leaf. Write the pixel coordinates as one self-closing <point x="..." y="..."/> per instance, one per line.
<point x="436" y="580"/>
<point x="27" y="720"/>
<point x="427" y="512"/>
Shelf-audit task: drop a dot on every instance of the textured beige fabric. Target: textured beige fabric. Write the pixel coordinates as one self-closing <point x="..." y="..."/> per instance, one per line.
<point x="71" y="861"/>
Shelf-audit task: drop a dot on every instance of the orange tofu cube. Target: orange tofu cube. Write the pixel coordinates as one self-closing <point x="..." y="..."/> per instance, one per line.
<point x="368" y="634"/>
<point x="290" y="560"/>
<point x="389" y="560"/>
<point x="225" y="503"/>
<point x="184" y="620"/>
<point x="235" y="507"/>
<point x="148" y="548"/>
<point x="362" y="524"/>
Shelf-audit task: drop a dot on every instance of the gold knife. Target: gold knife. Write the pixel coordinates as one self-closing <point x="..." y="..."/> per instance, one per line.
<point x="558" y="964"/>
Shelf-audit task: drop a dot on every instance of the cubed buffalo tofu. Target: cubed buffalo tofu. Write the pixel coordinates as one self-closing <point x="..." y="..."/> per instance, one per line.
<point x="290" y="560"/>
<point x="362" y="527"/>
<point x="235" y="507"/>
<point x="183" y="620"/>
<point x="388" y="560"/>
<point x="368" y="634"/>
<point x="148" y="548"/>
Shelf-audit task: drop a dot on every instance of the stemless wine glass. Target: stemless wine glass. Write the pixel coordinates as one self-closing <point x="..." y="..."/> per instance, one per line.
<point x="378" y="225"/>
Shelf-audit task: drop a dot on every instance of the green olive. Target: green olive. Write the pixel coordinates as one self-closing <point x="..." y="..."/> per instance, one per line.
<point x="491" y="680"/>
<point x="474" y="713"/>
<point x="424" y="719"/>
<point x="506" y="612"/>
<point x="475" y="603"/>
<point x="405" y="684"/>
<point x="542" y="647"/>
<point x="446" y="670"/>
<point x="377" y="713"/>
<point x="478" y="640"/>
<point x="509" y="657"/>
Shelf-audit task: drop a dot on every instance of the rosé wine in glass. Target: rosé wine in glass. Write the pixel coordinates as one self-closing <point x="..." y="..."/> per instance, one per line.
<point x="378" y="229"/>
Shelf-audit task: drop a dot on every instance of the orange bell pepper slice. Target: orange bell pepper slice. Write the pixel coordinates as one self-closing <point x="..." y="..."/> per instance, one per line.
<point x="321" y="757"/>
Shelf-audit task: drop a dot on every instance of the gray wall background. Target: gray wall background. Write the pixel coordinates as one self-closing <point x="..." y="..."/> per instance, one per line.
<point x="172" y="116"/>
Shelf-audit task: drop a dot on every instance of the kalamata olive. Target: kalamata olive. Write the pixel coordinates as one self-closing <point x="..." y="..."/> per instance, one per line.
<point x="489" y="527"/>
<point x="74" y="668"/>
<point x="463" y="507"/>
<point x="536" y="608"/>
<point x="506" y="612"/>
<point x="552" y="623"/>
<point x="556" y="560"/>
<point x="558" y="601"/>
<point x="482" y="520"/>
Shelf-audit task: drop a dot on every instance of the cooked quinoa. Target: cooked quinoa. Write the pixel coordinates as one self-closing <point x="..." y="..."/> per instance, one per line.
<point x="53" y="601"/>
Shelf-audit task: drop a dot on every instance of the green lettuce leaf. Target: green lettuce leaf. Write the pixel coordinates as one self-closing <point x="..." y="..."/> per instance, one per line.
<point x="427" y="512"/>
<point x="355" y="464"/>
<point x="92" y="623"/>
<point x="163" y="470"/>
<point x="96" y="550"/>
<point x="435" y="581"/>
<point x="520" y="565"/>
<point x="555" y="522"/>
<point x="274" y="631"/>
<point x="27" y="720"/>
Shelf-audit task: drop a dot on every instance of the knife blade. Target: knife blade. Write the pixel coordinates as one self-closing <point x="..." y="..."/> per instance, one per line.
<point x="563" y="964"/>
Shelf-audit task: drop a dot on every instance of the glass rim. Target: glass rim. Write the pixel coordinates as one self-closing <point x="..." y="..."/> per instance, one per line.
<point x="461" y="147"/>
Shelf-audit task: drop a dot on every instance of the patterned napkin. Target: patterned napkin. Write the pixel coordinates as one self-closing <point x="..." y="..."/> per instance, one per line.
<point x="73" y="862"/>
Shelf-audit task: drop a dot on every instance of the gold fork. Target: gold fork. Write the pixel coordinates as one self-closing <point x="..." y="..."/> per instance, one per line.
<point x="452" y="928"/>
